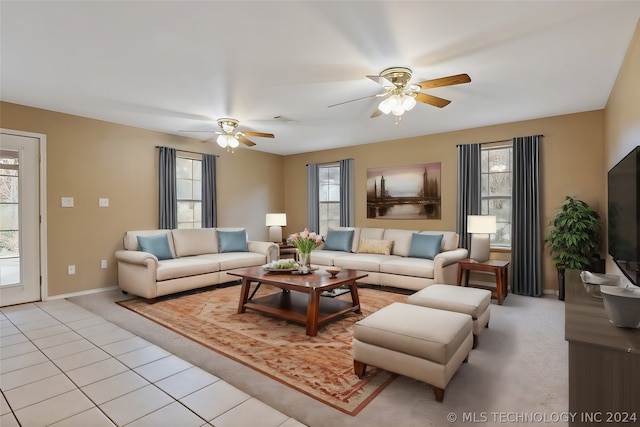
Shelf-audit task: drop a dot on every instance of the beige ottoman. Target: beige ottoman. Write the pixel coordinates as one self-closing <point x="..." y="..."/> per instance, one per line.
<point x="474" y="302"/>
<point x="419" y="342"/>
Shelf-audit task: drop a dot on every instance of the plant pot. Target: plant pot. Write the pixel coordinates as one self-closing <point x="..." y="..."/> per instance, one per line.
<point x="561" y="285"/>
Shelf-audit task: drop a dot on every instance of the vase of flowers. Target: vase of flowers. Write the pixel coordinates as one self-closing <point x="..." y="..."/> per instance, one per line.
<point x="305" y="241"/>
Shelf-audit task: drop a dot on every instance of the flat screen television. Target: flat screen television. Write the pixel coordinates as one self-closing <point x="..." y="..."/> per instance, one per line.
<point x="623" y="230"/>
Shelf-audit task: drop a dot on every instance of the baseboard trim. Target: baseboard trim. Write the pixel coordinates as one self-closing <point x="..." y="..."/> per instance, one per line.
<point x="77" y="294"/>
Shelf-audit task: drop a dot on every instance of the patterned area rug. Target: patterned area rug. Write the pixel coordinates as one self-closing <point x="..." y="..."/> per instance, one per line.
<point x="320" y="366"/>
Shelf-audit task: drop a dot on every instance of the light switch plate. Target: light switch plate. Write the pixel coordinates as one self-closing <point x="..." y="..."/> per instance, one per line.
<point x="67" y="202"/>
<point x="103" y="202"/>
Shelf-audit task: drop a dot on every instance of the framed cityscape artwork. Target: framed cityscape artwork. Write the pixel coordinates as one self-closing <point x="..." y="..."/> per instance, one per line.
<point x="404" y="192"/>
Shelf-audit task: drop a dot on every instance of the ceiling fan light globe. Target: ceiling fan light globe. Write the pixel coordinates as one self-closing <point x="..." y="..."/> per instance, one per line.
<point x="222" y="141"/>
<point x="398" y="111"/>
<point x="233" y="143"/>
<point x="384" y="106"/>
<point x="408" y="102"/>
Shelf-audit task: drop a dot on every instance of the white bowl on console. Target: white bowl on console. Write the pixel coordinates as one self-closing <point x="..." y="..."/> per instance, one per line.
<point x="622" y="305"/>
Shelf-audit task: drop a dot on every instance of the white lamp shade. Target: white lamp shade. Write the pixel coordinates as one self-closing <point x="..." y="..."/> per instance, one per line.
<point x="484" y="224"/>
<point x="276" y="219"/>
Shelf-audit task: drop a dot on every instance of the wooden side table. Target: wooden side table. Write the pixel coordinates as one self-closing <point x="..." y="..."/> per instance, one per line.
<point x="499" y="268"/>
<point x="288" y="251"/>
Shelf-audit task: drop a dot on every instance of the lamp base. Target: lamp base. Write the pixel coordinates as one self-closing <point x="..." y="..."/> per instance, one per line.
<point x="480" y="247"/>
<point x="275" y="234"/>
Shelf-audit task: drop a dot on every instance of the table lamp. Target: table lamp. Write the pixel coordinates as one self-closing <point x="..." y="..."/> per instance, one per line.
<point x="480" y="227"/>
<point x="275" y="222"/>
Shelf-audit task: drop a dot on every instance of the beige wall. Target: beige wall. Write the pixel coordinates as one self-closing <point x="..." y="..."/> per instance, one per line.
<point x="622" y="114"/>
<point x="569" y="141"/>
<point x="88" y="159"/>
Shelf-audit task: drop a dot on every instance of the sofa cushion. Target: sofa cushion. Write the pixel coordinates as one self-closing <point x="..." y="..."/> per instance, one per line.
<point x="425" y="245"/>
<point x="403" y="266"/>
<point x="232" y="241"/>
<point x="339" y="240"/>
<point x="364" y="262"/>
<point x="449" y="239"/>
<point x="185" y="266"/>
<point x="195" y="241"/>
<point x="229" y="261"/>
<point x="157" y="245"/>
<point x="401" y="240"/>
<point x="374" y="246"/>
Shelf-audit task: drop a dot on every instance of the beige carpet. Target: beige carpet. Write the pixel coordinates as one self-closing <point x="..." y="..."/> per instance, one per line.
<point x="320" y="366"/>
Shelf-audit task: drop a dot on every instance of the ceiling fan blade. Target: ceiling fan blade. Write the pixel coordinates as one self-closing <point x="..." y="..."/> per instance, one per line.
<point x="445" y="81"/>
<point x="432" y="100"/>
<point x="245" y="141"/>
<point x="381" y="80"/>
<point x="358" y="99"/>
<point x="260" y="134"/>
<point x="376" y="113"/>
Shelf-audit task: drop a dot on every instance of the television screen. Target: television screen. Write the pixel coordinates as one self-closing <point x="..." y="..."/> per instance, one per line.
<point x="623" y="182"/>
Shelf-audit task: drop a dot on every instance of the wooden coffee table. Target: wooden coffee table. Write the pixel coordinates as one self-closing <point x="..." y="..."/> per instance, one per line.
<point x="301" y="300"/>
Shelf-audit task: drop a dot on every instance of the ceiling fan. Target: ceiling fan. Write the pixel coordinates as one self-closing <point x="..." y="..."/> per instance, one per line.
<point x="230" y="138"/>
<point x="400" y="96"/>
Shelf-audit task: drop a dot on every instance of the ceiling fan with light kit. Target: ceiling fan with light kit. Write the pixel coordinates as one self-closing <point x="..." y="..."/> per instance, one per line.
<point x="230" y="138"/>
<point x="401" y="96"/>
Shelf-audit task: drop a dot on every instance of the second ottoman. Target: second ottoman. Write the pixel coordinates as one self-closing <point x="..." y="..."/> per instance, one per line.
<point x="471" y="301"/>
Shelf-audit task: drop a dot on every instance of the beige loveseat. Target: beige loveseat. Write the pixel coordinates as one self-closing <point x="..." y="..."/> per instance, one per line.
<point x="397" y="268"/>
<point x="195" y="258"/>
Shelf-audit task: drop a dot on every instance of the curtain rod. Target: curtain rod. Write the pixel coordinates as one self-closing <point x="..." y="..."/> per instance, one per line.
<point x="187" y="151"/>
<point x="330" y="163"/>
<point x="494" y="142"/>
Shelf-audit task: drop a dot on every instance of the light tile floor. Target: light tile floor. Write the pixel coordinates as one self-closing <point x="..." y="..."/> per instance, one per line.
<point x="63" y="366"/>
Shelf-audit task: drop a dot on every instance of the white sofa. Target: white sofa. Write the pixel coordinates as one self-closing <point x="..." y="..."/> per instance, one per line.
<point x="396" y="269"/>
<point x="196" y="260"/>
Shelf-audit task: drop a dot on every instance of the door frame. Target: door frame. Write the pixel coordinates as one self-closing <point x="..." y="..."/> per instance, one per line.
<point x="42" y="156"/>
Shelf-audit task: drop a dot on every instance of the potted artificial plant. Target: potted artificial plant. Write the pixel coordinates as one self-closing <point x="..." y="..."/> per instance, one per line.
<point x="574" y="237"/>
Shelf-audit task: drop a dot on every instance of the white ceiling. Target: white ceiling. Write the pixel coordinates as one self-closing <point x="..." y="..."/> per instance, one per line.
<point x="172" y="66"/>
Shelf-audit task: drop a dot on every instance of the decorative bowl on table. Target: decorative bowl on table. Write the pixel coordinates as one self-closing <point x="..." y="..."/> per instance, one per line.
<point x="333" y="271"/>
<point x="622" y="306"/>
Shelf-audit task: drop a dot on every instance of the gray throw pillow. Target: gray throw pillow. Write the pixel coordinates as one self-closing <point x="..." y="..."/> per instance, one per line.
<point x="425" y="245"/>
<point x="157" y="244"/>
<point x="232" y="241"/>
<point x="338" y="240"/>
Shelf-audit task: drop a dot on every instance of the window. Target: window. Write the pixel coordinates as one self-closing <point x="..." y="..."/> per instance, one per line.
<point x="329" y="197"/>
<point x="496" y="174"/>
<point x="189" y="192"/>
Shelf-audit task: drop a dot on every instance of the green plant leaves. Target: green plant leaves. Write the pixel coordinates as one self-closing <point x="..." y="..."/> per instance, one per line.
<point x="574" y="234"/>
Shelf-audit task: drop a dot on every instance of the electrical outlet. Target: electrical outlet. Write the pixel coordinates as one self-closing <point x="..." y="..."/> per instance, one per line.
<point x="71" y="269"/>
<point x="67" y="202"/>
<point x="103" y="202"/>
<point x="103" y="263"/>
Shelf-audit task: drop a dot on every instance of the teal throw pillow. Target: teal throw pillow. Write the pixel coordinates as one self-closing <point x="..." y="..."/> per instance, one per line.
<point x="157" y="244"/>
<point x="232" y="241"/>
<point x="338" y="240"/>
<point x="425" y="245"/>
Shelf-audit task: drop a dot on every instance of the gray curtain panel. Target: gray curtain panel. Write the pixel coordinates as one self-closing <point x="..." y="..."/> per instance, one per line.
<point x="526" y="243"/>
<point x="168" y="192"/>
<point x="469" y="189"/>
<point x="347" y="215"/>
<point x="313" y="195"/>
<point x="209" y="196"/>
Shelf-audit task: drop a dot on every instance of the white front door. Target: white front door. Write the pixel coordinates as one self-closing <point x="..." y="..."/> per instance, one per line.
<point x="19" y="219"/>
